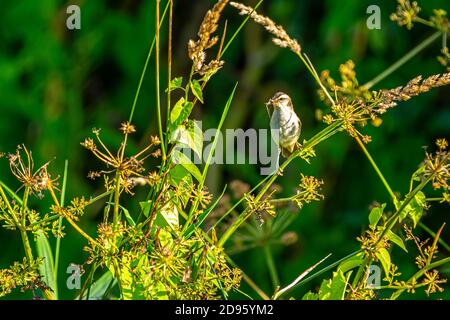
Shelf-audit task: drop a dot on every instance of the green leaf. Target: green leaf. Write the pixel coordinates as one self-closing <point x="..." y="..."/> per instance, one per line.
<point x="333" y="289"/>
<point x="197" y="90"/>
<point x="180" y="176"/>
<point x="182" y="159"/>
<point x="189" y="137"/>
<point x="176" y="83"/>
<point x="180" y="112"/>
<point x="130" y="289"/>
<point x="167" y="216"/>
<point x="127" y="216"/>
<point x="375" y="215"/>
<point x="396" y="239"/>
<point x="415" y="208"/>
<point x="219" y="127"/>
<point x="351" y="263"/>
<point x="145" y="207"/>
<point x="99" y="287"/>
<point x="46" y="268"/>
<point x="310" y="296"/>
<point x="385" y="259"/>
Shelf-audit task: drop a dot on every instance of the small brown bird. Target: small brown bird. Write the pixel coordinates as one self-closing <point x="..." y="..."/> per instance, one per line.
<point x="284" y="123"/>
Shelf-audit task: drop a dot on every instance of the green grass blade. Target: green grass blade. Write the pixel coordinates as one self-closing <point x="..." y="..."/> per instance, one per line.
<point x="47" y="267"/>
<point x="100" y="287"/>
<point x="211" y="152"/>
<point x="60" y="221"/>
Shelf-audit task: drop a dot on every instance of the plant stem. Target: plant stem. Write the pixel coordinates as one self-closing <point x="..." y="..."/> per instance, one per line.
<point x="327" y="268"/>
<point x="403" y="60"/>
<point x="144" y="69"/>
<point x="210" y="155"/>
<point x="271" y="265"/>
<point x="169" y="65"/>
<point x="378" y="171"/>
<point x="74" y="225"/>
<point x="60" y="221"/>
<point x="116" y="201"/>
<point x="239" y="29"/>
<point x="158" y="94"/>
<point x="316" y="77"/>
<point x="279" y="293"/>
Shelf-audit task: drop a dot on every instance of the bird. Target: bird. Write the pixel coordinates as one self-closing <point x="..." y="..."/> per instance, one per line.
<point x="285" y="125"/>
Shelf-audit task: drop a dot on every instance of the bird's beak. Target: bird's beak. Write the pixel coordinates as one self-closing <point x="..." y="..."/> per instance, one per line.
<point x="270" y="103"/>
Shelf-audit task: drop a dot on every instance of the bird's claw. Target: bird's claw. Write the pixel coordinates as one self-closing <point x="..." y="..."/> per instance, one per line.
<point x="280" y="172"/>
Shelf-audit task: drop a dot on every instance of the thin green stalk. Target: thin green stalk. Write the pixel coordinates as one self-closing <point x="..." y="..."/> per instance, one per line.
<point x="361" y="271"/>
<point x="158" y="93"/>
<point x="316" y="77"/>
<point x="282" y="291"/>
<point x="327" y="268"/>
<point x="60" y="221"/>
<point x="210" y="155"/>
<point x="271" y="266"/>
<point x="239" y="30"/>
<point x="74" y="225"/>
<point x="169" y="65"/>
<point x="116" y="201"/>
<point x="378" y="171"/>
<point x="88" y="283"/>
<point x="144" y="69"/>
<point x="24" y="205"/>
<point x="23" y="232"/>
<point x="403" y="60"/>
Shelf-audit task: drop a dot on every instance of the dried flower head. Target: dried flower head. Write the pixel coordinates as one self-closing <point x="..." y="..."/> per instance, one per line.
<point x="127" y="167"/>
<point x="281" y="39"/>
<point x="413" y="88"/>
<point x="196" y="49"/>
<point x="23" y="170"/>
<point x="127" y="128"/>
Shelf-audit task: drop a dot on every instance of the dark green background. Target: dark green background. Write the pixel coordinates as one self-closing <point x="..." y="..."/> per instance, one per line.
<point x="56" y="84"/>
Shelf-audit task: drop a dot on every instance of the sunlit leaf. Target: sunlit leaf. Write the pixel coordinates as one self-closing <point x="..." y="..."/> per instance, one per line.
<point x="385" y="259"/>
<point x="197" y="90"/>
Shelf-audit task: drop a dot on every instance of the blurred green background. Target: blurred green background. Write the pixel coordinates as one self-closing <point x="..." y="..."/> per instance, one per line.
<point x="57" y="84"/>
